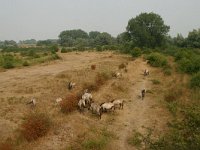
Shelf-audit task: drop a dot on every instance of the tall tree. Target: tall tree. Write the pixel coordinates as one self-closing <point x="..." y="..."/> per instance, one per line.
<point x="94" y="34"/>
<point x="193" y="39"/>
<point x="103" y="39"/>
<point x="147" y="30"/>
<point x="68" y="37"/>
<point x="179" y="41"/>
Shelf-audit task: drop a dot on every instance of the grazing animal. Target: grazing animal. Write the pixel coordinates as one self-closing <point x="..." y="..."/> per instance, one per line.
<point x="81" y="104"/>
<point x="117" y="75"/>
<point x="32" y="102"/>
<point x="146" y="72"/>
<point x="87" y="97"/>
<point x="143" y="93"/>
<point x="59" y="100"/>
<point x="118" y="102"/>
<point x="96" y="108"/>
<point x="107" y="106"/>
<point x="71" y="85"/>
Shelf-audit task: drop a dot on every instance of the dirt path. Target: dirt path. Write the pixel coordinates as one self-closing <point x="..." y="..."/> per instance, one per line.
<point x="138" y="113"/>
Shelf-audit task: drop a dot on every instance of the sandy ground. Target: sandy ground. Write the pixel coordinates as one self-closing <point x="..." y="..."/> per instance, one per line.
<point x="48" y="81"/>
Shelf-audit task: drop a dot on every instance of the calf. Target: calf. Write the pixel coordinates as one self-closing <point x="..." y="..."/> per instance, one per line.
<point x="143" y="93"/>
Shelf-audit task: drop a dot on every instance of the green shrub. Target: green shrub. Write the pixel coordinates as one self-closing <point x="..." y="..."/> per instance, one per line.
<point x="136" y="52"/>
<point x="180" y="54"/>
<point x="8" y="61"/>
<point x="184" y="133"/>
<point x="188" y="61"/>
<point x="55" y="56"/>
<point x="32" y="53"/>
<point x="25" y="63"/>
<point x="157" y="60"/>
<point x="98" y="48"/>
<point x="54" y="48"/>
<point x="195" y="81"/>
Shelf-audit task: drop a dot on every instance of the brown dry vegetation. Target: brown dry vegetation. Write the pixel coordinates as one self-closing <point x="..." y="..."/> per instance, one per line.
<point x="35" y="125"/>
<point x="6" y="146"/>
<point x="48" y="82"/>
<point x="69" y="104"/>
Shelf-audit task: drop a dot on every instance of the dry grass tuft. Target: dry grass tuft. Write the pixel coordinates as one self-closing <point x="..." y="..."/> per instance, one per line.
<point x="93" y="67"/>
<point x="6" y="146"/>
<point x="122" y="66"/>
<point x="119" y="86"/>
<point x="173" y="94"/>
<point x="35" y="125"/>
<point x="100" y="79"/>
<point x="90" y="86"/>
<point x="69" y="103"/>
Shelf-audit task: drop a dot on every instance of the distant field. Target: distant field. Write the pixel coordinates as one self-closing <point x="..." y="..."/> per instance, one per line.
<point x="18" y="57"/>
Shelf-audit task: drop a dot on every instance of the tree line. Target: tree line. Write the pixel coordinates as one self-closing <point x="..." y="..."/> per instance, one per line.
<point x="146" y="30"/>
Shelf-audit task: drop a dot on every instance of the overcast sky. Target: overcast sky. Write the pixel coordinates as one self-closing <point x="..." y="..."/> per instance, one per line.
<point x="45" y="19"/>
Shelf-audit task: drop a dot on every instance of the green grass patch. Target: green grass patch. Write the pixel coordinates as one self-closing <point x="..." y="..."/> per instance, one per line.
<point x="195" y="81"/>
<point x="135" y="139"/>
<point x="173" y="107"/>
<point x="154" y="81"/>
<point x="98" y="143"/>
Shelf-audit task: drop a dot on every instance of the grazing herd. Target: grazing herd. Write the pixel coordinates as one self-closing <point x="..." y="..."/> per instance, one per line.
<point x="86" y="100"/>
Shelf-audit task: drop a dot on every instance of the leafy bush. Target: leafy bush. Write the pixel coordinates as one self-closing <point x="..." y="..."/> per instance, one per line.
<point x="32" y="53"/>
<point x="195" y="81"/>
<point x="25" y="63"/>
<point x="35" y="125"/>
<point x="54" y="48"/>
<point x="157" y="60"/>
<point x="98" y="48"/>
<point x="69" y="104"/>
<point x="184" y="134"/>
<point x="188" y="61"/>
<point x="8" y="61"/>
<point x="55" y="56"/>
<point x="63" y="50"/>
<point x="136" y="52"/>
